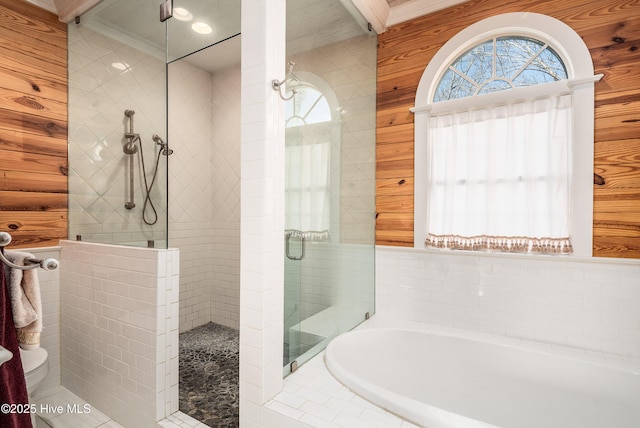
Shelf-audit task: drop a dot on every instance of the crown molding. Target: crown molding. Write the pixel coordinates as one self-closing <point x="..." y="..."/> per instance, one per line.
<point x="416" y="8"/>
<point x="67" y="10"/>
<point x="376" y="12"/>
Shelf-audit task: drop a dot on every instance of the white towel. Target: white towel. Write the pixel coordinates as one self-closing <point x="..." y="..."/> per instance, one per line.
<point x="26" y="301"/>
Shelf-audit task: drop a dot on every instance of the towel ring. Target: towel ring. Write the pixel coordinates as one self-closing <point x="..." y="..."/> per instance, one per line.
<point x="46" y="264"/>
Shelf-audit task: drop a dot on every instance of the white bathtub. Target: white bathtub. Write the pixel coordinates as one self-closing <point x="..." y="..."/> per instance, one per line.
<point x="438" y="380"/>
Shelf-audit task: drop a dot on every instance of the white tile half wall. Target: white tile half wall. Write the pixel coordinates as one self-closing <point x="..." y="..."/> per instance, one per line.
<point x="592" y="304"/>
<point x="119" y="329"/>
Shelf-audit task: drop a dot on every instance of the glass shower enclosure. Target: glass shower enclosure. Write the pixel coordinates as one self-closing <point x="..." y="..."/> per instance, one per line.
<point x="330" y="175"/>
<point x="118" y="114"/>
<point x="117" y="125"/>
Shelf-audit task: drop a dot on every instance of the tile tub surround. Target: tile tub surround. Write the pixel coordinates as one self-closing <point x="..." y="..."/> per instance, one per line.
<point x="119" y="329"/>
<point x="589" y="303"/>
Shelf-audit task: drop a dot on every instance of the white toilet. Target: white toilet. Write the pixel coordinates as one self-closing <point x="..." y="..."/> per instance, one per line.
<point x="35" y="364"/>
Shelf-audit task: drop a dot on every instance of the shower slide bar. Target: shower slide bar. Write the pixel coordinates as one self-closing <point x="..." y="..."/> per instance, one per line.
<point x="130" y="148"/>
<point x="46" y="264"/>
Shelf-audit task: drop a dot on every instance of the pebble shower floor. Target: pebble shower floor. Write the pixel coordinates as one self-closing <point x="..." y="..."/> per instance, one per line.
<point x="209" y="367"/>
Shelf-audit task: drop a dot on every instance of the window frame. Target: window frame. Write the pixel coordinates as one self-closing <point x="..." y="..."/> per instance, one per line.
<point x="579" y="65"/>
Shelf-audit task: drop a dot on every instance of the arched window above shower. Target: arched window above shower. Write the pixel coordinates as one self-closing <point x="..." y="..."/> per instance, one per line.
<point x="307" y="106"/>
<point x="312" y="158"/>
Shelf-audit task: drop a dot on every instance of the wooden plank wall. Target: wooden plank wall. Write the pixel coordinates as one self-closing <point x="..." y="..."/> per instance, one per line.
<point x="33" y="125"/>
<point x="611" y="30"/>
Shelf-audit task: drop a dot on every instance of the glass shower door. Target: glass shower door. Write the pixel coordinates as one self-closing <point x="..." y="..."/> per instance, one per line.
<point x="307" y="223"/>
<point x="329" y="176"/>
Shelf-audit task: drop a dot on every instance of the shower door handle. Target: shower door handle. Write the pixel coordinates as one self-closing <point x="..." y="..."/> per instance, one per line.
<point x="288" y="247"/>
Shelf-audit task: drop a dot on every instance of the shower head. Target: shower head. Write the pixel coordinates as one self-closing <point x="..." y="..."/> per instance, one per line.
<point x="163" y="146"/>
<point x="129" y="113"/>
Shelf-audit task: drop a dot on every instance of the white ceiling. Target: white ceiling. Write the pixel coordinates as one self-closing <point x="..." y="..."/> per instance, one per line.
<point x="50" y="5"/>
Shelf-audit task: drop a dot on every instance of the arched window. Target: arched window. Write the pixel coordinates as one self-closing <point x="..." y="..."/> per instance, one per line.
<point x="310" y="150"/>
<point x="497" y="155"/>
<point x="498" y="64"/>
<point x="307" y="106"/>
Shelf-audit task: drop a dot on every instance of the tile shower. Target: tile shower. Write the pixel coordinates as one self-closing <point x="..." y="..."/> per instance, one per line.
<point x="204" y="191"/>
<point x="106" y="77"/>
<point x="206" y="229"/>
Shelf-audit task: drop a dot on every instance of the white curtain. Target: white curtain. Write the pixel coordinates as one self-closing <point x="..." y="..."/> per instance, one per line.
<point x="307" y="182"/>
<point x="499" y="177"/>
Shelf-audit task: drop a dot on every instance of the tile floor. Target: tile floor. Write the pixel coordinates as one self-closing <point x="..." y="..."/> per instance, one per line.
<point x="313" y="396"/>
<point x="48" y="406"/>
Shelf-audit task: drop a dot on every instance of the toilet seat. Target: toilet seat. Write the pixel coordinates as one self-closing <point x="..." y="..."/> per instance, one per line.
<point x="33" y="359"/>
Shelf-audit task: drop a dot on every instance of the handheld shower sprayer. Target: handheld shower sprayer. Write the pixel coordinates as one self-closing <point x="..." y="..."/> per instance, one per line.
<point x="163" y="146"/>
<point x="130" y="148"/>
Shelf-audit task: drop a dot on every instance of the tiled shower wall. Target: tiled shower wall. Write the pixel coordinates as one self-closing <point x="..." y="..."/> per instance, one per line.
<point x="204" y="132"/>
<point x="204" y="191"/>
<point x="586" y="303"/>
<point x="189" y="101"/>
<point x="99" y="93"/>
<point x="119" y="329"/>
<point x="225" y="178"/>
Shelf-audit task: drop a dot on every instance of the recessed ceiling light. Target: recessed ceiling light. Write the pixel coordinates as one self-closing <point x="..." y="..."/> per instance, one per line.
<point x="201" y="28"/>
<point x="182" y="14"/>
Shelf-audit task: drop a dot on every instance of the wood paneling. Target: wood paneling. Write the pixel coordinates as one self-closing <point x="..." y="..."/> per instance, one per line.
<point x="611" y="30"/>
<point x="33" y="125"/>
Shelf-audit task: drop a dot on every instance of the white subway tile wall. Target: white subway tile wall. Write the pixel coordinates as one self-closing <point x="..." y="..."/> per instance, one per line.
<point x="585" y="303"/>
<point x="119" y="329"/>
<point x="262" y="222"/>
